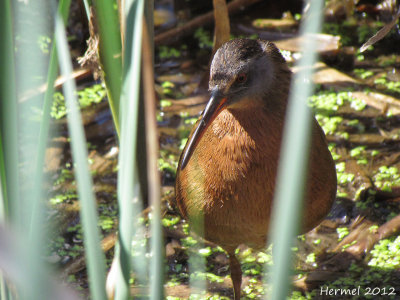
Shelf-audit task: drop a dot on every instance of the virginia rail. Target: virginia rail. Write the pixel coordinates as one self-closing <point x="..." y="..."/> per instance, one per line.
<point x="227" y="171"/>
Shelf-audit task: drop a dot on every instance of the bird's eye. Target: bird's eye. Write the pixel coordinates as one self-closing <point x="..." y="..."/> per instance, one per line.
<point x="241" y="78"/>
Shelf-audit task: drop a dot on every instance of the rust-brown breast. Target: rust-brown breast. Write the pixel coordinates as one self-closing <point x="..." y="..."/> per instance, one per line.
<point x="227" y="187"/>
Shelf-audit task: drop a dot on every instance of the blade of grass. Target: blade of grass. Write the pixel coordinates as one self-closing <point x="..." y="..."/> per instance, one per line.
<point x="157" y="261"/>
<point x="3" y="196"/>
<point x="133" y="12"/>
<point x="110" y="54"/>
<point x="3" y="285"/>
<point x="35" y="227"/>
<point x="94" y="255"/>
<point x="87" y="5"/>
<point x="30" y="70"/>
<point x="14" y="257"/>
<point x="293" y="164"/>
<point x="149" y="16"/>
<point x="8" y="110"/>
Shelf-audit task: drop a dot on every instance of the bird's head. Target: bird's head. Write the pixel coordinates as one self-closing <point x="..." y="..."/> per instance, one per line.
<point x="241" y="69"/>
<point x="244" y="68"/>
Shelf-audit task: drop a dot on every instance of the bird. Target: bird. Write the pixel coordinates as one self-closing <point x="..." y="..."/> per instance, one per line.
<point x="227" y="171"/>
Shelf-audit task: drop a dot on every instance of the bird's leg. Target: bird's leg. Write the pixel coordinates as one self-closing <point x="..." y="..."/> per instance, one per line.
<point x="236" y="275"/>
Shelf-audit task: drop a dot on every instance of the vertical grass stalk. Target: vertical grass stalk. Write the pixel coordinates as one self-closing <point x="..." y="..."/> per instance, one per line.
<point x="3" y="213"/>
<point x="44" y="130"/>
<point x="95" y="258"/>
<point x="127" y="174"/>
<point x="293" y="164"/>
<point x="8" y="114"/>
<point x="110" y="53"/>
<point x="153" y="176"/>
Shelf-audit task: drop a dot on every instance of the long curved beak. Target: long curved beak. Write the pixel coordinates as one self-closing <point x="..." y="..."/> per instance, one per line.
<point x="214" y="106"/>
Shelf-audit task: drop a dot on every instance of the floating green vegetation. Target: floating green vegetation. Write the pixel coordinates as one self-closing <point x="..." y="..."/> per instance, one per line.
<point x="191" y="121"/>
<point x="391" y="86"/>
<point x="206" y="275"/>
<point x="371" y="283"/>
<point x="331" y="148"/>
<point x="66" y="174"/>
<point x="359" y="55"/>
<point x="338" y="30"/>
<point x="386" y="178"/>
<point x="185" y="228"/>
<point x="343" y="177"/>
<point x="297" y="295"/>
<point x="170" y="220"/>
<point x="328" y="102"/>
<point x="62" y="248"/>
<point x="317" y="241"/>
<point x="329" y="124"/>
<point x="362" y="73"/>
<point x="357" y="125"/>
<point x="61" y="198"/>
<point x="311" y="259"/>
<point x="44" y="43"/>
<point x="369" y="201"/>
<point x="168" y="88"/>
<point x="184" y="131"/>
<point x="167" y="162"/>
<point x="165" y="52"/>
<point x="204" y="37"/>
<point x="106" y="222"/>
<point x="253" y="290"/>
<point x="88" y="96"/>
<point x="188" y="242"/>
<point x="360" y="154"/>
<point x="165" y="103"/>
<point x="183" y="143"/>
<point x="342" y="232"/>
<point x="386" y="254"/>
<point x="253" y="263"/>
<point x="387" y="61"/>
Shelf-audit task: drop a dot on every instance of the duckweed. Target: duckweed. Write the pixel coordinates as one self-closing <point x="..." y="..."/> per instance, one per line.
<point x="166" y="52"/>
<point x="297" y="295"/>
<point x="310" y="259"/>
<point x="44" y="43"/>
<point x="329" y="124"/>
<point x="343" y="177"/>
<point x="330" y="101"/>
<point x="362" y="73"/>
<point x="170" y="220"/>
<point x="188" y="242"/>
<point x="167" y="162"/>
<point x="204" y="38"/>
<point x="88" y="96"/>
<point x="206" y="275"/>
<point x="331" y="148"/>
<point x="360" y="154"/>
<point x="205" y="251"/>
<point x="386" y="254"/>
<point x="106" y="222"/>
<point x="391" y="86"/>
<point x="165" y="103"/>
<point x="342" y="232"/>
<point x="357" y="151"/>
<point x="60" y="198"/>
<point x="167" y="87"/>
<point x="386" y="178"/>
